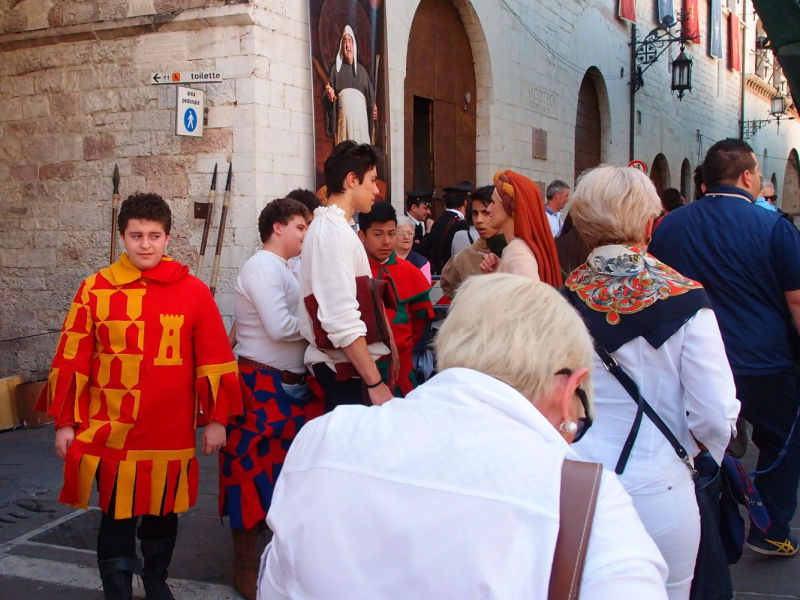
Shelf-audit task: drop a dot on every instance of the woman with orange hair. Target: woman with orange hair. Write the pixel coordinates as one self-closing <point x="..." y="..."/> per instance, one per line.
<point x="517" y="210"/>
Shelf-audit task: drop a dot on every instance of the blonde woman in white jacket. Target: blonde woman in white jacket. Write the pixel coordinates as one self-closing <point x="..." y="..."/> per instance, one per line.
<point x="658" y="325"/>
<point x="454" y="490"/>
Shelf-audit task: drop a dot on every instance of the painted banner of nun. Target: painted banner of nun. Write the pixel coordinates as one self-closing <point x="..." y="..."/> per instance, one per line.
<point x="348" y="41"/>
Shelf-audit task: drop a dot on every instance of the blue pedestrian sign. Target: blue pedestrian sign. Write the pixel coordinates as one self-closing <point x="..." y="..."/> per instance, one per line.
<point x="189" y="112"/>
<point x="190" y="119"/>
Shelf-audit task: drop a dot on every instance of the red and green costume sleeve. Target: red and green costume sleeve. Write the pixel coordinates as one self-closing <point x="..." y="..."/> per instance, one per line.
<point x="143" y="358"/>
<point x="414" y="309"/>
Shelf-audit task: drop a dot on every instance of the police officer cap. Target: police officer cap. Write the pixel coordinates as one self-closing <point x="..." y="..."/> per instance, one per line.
<point x="428" y="194"/>
<point x="465" y="187"/>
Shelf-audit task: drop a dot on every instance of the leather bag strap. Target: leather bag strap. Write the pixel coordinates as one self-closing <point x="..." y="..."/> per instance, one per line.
<point x="580" y="485"/>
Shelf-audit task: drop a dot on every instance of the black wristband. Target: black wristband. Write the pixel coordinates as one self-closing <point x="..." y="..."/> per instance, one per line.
<point x="374" y="385"/>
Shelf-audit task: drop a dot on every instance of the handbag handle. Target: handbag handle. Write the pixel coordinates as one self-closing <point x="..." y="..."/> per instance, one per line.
<point x="613" y="367"/>
<point x="580" y="485"/>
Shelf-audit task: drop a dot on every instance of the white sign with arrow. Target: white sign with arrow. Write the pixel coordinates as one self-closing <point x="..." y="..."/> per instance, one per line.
<point x="189" y="112"/>
<point x="186" y="77"/>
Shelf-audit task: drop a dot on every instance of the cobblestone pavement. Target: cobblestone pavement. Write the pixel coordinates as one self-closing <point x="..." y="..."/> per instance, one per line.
<point x="46" y="549"/>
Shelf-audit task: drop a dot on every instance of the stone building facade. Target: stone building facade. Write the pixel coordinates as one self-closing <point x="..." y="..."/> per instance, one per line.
<point x="75" y="99"/>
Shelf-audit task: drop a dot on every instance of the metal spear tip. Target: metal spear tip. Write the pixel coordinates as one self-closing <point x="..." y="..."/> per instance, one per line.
<point x="115" y="179"/>
<point x="214" y="178"/>
<point x="230" y="175"/>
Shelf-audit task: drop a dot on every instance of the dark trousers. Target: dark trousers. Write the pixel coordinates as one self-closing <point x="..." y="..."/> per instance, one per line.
<point x="770" y="404"/>
<point x="117" y="537"/>
<point x="337" y="392"/>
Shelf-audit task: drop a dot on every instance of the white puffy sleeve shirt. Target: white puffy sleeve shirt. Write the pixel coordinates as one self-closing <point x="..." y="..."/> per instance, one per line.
<point x="687" y="381"/>
<point x="451" y="492"/>
<point x="332" y="258"/>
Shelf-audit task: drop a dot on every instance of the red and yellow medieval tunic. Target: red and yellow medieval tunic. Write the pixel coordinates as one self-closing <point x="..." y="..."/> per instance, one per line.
<point x="143" y="358"/>
<point x="414" y="308"/>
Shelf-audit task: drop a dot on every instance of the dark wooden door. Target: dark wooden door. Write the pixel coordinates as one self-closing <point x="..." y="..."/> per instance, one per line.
<point x="439" y="69"/>
<point x="587" y="128"/>
<point x="659" y="173"/>
<point x="686" y="180"/>
<point x="790" y="199"/>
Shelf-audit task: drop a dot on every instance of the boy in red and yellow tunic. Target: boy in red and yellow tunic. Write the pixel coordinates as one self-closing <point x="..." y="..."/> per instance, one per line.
<point x="377" y="231"/>
<point x="142" y="360"/>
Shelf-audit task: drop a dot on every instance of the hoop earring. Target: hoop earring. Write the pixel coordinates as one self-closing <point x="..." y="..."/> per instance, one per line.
<point x="569" y="427"/>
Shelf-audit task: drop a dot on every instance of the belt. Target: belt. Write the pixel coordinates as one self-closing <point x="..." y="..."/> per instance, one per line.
<point x="287" y="377"/>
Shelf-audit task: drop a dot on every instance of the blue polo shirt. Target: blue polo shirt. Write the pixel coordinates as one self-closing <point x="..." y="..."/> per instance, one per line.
<point x="746" y="258"/>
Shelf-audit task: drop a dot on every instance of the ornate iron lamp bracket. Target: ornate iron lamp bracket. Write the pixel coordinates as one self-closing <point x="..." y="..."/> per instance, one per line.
<point x="650" y="49"/>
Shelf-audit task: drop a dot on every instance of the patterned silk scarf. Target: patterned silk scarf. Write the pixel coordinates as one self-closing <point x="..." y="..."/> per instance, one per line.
<point x="622" y="281"/>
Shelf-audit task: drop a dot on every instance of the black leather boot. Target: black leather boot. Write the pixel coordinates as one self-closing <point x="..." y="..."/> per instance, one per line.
<point x="117" y="576"/>
<point x="157" y="556"/>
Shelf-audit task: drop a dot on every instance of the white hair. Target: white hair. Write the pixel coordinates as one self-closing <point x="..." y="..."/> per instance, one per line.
<point x="517" y="330"/>
<point x="612" y="205"/>
<point x="404" y="220"/>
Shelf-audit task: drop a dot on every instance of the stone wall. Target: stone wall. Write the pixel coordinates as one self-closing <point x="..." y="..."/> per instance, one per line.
<point x="71" y="111"/>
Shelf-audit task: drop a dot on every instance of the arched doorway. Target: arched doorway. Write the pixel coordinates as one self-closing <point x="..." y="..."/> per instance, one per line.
<point x="790" y="199"/>
<point x="686" y="180"/>
<point x="659" y="173"/>
<point x="440" y="100"/>
<point x="588" y="133"/>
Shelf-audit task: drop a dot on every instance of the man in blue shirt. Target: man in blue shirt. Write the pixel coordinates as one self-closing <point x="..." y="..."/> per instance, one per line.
<point x="767" y="197"/>
<point x="748" y="260"/>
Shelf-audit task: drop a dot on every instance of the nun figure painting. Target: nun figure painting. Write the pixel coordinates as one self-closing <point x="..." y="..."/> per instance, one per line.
<point x="348" y="95"/>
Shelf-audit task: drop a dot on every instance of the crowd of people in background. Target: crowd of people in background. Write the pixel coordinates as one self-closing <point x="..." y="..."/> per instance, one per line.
<point x="638" y="333"/>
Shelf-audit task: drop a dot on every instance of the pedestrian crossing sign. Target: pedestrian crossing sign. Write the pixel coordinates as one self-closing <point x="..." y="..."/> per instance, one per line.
<point x="189" y="112"/>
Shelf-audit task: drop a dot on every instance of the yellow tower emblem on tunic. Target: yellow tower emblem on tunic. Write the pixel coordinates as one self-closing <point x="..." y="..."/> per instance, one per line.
<point x="169" y="351"/>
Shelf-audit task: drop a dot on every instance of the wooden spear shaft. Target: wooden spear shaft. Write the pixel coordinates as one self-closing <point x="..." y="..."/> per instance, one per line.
<point x="375" y="86"/>
<point x="226" y="199"/>
<point x="201" y="254"/>
<point x="114" y="211"/>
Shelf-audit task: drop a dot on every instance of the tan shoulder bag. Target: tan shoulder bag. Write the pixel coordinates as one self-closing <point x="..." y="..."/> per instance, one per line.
<point x="580" y="484"/>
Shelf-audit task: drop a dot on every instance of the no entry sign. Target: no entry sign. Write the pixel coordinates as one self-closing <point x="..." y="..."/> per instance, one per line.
<point x="637" y="164"/>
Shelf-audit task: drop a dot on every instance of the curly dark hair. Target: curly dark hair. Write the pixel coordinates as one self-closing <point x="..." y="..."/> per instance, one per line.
<point x="145" y="207"/>
<point x="279" y="211"/>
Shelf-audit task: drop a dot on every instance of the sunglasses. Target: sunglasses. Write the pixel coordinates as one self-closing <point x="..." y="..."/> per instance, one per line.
<point x="771" y="198"/>
<point x="584" y="422"/>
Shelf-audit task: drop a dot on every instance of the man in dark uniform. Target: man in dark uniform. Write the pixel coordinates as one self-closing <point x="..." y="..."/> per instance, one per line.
<point x="451" y="222"/>
<point x="418" y="208"/>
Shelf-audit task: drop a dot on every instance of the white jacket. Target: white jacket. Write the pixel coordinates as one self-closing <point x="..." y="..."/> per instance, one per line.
<point x="332" y="258"/>
<point x="452" y="492"/>
<point x="689" y="384"/>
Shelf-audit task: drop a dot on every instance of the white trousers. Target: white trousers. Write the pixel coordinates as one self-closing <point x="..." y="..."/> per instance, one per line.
<point x="670" y="515"/>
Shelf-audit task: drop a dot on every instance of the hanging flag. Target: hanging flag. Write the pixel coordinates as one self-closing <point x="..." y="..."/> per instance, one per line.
<point x="692" y="24"/>
<point x="627" y="10"/>
<point x="715" y="43"/>
<point x="665" y="11"/>
<point x="734" y="42"/>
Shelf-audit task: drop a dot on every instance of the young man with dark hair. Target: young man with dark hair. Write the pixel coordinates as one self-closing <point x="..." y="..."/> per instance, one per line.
<point x="143" y="358"/>
<point x="271" y="352"/>
<point x="451" y="222"/>
<point x="344" y="344"/>
<point x="468" y="262"/>
<point x="748" y="260"/>
<point x="377" y="230"/>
